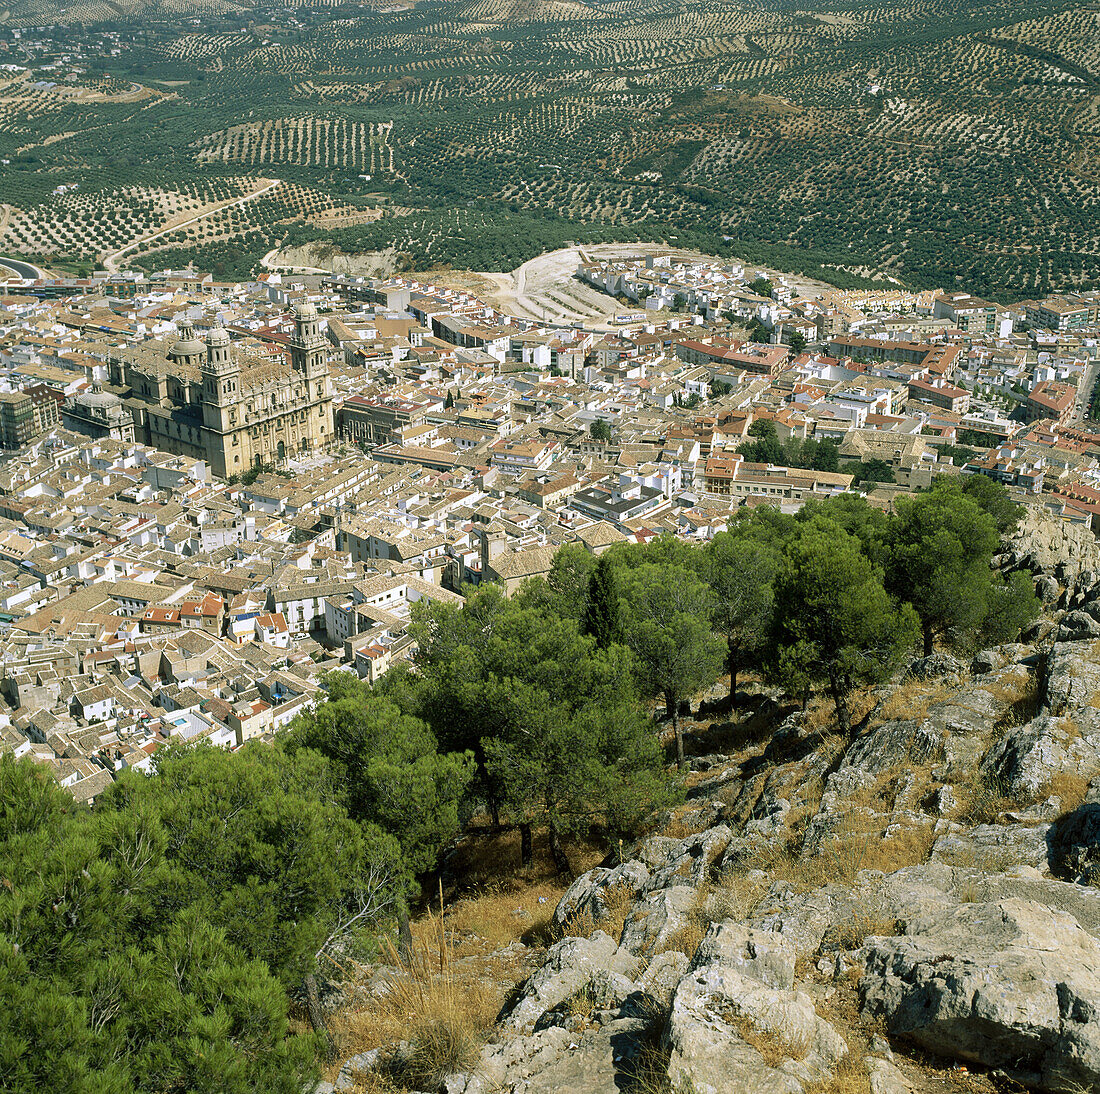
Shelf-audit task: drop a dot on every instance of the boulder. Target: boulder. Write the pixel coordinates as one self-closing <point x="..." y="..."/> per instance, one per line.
<point x="729" y="1033"/>
<point x="357" y="1067"/>
<point x="659" y="980"/>
<point x="937" y="666"/>
<point x="995" y="847"/>
<point x="761" y="955"/>
<point x="1072" y="678"/>
<point x="589" y="894"/>
<point x="1047" y="589"/>
<point x="570" y="965"/>
<point x="687" y="861"/>
<point x="1075" y="845"/>
<point x="884" y="1078"/>
<point x="1026" y="759"/>
<point x="988" y="661"/>
<point x="1007" y="984"/>
<point x="1078" y="625"/>
<point x="605" y="1058"/>
<point x="654" y="921"/>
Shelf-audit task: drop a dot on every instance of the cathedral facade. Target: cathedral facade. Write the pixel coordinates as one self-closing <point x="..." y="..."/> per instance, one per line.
<point x="236" y="412"/>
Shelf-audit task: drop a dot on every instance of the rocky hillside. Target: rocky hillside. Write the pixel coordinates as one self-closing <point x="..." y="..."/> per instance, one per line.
<point x="914" y="909"/>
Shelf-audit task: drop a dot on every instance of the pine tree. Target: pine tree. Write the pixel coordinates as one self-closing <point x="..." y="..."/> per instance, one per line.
<point x="601" y="615"/>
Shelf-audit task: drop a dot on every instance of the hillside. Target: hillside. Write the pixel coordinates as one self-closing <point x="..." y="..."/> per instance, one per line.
<point x="910" y="910"/>
<point x="936" y="144"/>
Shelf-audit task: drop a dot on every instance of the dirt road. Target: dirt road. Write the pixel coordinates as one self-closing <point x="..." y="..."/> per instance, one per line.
<point x="111" y="261"/>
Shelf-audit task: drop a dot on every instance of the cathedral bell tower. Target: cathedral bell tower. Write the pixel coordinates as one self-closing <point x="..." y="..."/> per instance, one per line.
<point x="307" y="348"/>
<point x="220" y="382"/>
<point x="309" y="359"/>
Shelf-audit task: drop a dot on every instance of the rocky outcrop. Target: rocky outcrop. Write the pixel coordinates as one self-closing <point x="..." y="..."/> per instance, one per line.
<point x="1009" y="984"/>
<point x="727" y="1032"/>
<point x="590" y="895"/>
<point x="1048" y="546"/>
<point x="572" y="965"/>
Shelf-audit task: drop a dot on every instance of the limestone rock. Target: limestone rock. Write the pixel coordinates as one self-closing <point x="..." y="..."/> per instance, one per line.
<point x="995" y="847"/>
<point x="588" y="895"/>
<point x="761" y="955"/>
<point x="661" y="977"/>
<point x="884" y="1078"/>
<point x="356" y="1066"/>
<point x="1072" y="678"/>
<point x="570" y="965"/>
<point x="1075" y="845"/>
<point x="1077" y="626"/>
<point x="1028" y="757"/>
<point x="1008" y="984"/>
<point x="731" y="1034"/>
<point x="684" y="862"/>
<point x="654" y="921"/>
<point x="940" y="666"/>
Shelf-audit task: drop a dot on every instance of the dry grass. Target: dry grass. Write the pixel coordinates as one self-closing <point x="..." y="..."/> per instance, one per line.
<point x="912" y="700"/>
<point x="1068" y="787"/>
<point x="772" y="1048"/>
<point x="686" y="940"/>
<point x="982" y="799"/>
<point x="861" y="844"/>
<point x="500" y="915"/>
<point x="883" y="794"/>
<point x="737" y="896"/>
<point x="444" y="1015"/>
<point x="851" y="1077"/>
<point x="502" y="901"/>
<point x="852" y="933"/>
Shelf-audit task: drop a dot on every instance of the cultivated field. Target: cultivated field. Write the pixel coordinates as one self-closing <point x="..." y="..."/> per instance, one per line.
<point x="924" y="140"/>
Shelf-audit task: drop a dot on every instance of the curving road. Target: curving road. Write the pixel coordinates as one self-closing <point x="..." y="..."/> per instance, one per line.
<point x="111" y="261"/>
<point x="23" y="269"/>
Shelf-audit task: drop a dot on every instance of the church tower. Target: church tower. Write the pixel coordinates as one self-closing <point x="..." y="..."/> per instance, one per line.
<point x="221" y="377"/>
<point x="308" y="358"/>
<point x="307" y="348"/>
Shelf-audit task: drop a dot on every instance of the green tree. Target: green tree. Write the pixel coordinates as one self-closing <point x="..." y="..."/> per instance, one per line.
<point x="826" y="457"/>
<point x="666" y="622"/>
<point x="874" y="470"/>
<point x="566" y="588"/>
<point x="740" y="571"/>
<point x="600" y="431"/>
<point x="797" y="341"/>
<point x="387" y="768"/>
<point x="834" y="622"/>
<point x="259" y="846"/>
<point x="940" y="549"/>
<point x="767" y="448"/>
<point x="994" y="499"/>
<point x="536" y="699"/>
<point x="602" y="616"/>
<point x="109" y="985"/>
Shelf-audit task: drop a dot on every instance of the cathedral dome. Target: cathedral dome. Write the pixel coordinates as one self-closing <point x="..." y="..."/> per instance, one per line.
<point x="186" y="347"/>
<point x="103" y="400"/>
<point x="305" y="311"/>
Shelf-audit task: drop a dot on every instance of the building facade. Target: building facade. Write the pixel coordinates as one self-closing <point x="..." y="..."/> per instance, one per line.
<point x="234" y="411"/>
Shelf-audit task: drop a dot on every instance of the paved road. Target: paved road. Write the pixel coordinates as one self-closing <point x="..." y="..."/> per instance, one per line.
<point x="1084" y="393"/>
<point x="22" y="269"/>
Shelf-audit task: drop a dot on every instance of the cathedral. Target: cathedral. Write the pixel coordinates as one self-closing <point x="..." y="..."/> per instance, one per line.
<point x="232" y="409"/>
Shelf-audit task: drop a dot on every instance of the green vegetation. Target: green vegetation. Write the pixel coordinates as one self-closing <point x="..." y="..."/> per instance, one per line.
<point x="767" y="448"/>
<point x="939" y="145"/>
<point x="158" y="940"/>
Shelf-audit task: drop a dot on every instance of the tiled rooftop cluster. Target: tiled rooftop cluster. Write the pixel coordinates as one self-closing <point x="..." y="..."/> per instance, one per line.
<point x="143" y="600"/>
